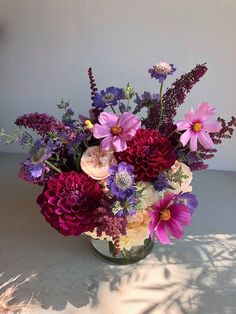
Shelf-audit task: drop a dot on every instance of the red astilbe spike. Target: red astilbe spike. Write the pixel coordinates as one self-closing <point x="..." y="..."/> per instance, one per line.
<point x="226" y="131"/>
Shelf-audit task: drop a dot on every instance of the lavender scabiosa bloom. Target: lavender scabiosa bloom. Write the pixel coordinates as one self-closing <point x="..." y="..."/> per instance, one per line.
<point x="161" y="183"/>
<point x="110" y="96"/>
<point x="35" y="164"/>
<point x="43" y="124"/>
<point x="121" y="180"/>
<point x="145" y="100"/>
<point x="188" y="199"/>
<point x="161" y="70"/>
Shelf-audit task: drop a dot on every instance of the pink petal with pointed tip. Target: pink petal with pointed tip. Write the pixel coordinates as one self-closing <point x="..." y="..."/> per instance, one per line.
<point x="212" y="126"/>
<point x="193" y="142"/>
<point x="205" y="140"/>
<point x="202" y="110"/>
<point x="182" y="125"/>
<point x="161" y="233"/>
<point x="181" y="213"/>
<point x="190" y="116"/>
<point x="185" y="137"/>
<point x="175" y="228"/>
<point x="130" y="124"/>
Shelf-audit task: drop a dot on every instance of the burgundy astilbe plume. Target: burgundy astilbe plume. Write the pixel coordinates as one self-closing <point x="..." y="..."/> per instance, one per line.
<point x="44" y="124"/>
<point x="173" y="98"/>
<point x="226" y="131"/>
<point x="112" y="225"/>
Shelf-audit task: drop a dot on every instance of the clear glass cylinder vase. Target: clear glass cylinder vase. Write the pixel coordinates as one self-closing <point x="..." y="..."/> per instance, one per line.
<point x="105" y="250"/>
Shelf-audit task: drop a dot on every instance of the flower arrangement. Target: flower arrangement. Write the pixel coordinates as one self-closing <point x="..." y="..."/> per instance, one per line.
<point x="116" y="175"/>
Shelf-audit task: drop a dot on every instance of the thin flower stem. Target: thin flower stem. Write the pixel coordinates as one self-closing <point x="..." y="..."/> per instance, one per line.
<point x="175" y="131"/>
<point x="52" y="166"/>
<point x="113" y="109"/>
<point x="161" y="106"/>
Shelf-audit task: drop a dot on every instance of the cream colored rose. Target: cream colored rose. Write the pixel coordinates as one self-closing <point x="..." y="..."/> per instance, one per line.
<point x="148" y="195"/>
<point x="137" y="230"/>
<point x="185" y="185"/>
<point x="96" y="163"/>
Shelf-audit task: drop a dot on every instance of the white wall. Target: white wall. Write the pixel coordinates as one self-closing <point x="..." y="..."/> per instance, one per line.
<point x="46" y="47"/>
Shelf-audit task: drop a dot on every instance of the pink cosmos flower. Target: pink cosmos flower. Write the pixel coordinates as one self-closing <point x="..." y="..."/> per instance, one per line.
<point x="198" y="127"/>
<point x="115" y="130"/>
<point x="167" y="216"/>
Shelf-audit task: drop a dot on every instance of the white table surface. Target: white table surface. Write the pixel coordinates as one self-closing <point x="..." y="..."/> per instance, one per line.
<point x="194" y="275"/>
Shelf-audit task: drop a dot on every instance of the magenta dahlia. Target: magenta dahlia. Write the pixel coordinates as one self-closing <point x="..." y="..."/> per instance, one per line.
<point x="149" y="152"/>
<point x="69" y="202"/>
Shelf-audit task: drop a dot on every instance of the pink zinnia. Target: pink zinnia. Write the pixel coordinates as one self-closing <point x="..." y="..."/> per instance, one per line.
<point x="167" y="216"/>
<point x="198" y="127"/>
<point x="115" y="130"/>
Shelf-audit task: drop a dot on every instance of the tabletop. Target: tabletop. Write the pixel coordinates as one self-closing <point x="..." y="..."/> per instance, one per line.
<point x="194" y="275"/>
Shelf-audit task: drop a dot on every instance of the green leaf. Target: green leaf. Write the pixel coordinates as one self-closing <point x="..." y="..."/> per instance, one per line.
<point x="1" y="132"/>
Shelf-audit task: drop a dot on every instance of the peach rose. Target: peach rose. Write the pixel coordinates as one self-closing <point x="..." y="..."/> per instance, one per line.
<point x="185" y="185"/>
<point x="137" y="230"/>
<point x="95" y="163"/>
<point x="148" y="195"/>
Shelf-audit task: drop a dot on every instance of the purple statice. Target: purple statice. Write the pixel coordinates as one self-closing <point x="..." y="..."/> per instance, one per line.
<point x="108" y="97"/>
<point x="121" y="180"/>
<point x="35" y="166"/>
<point x="43" y="124"/>
<point x="146" y="100"/>
<point x="161" y="70"/>
<point x="76" y="141"/>
<point x="161" y="183"/>
<point x="188" y="199"/>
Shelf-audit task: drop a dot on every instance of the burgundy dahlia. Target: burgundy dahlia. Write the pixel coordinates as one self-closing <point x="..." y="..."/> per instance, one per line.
<point x="149" y="152"/>
<point x="69" y="202"/>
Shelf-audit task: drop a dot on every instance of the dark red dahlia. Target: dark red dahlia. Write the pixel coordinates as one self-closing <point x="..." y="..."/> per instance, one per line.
<point x="149" y="152"/>
<point x="69" y="202"/>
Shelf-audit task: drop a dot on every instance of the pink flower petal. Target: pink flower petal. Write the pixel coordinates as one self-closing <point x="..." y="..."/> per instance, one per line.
<point x="204" y="111"/>
<point x="175" y="228"/>
<point x="106" y="143"/>
<point x="205" y="140"/>
<point x="130" y="125"/>
<point x="153" y="223"/>
<point x="181" y="213"/>
<point x="100" y="131"/>
<point x="182" y="125"/>
<point x="164" y="202"/>
<point x="212" y="126"/>
<point x="161" y="233"/>
<point x="185" y="137"/>
<point x="193" y="142"/>
<point x="190" y="116"/>
<point x="118" y="144"/>
<point x="108" y="119"/>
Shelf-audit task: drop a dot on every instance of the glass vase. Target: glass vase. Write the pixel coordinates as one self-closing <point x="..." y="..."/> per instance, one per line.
<point x="105" y="250"/>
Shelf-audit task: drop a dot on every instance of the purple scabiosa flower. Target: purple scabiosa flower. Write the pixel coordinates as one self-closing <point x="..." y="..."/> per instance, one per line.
<point x="121" y="180"/>
<point x="108" y="97"/>
<point x="41" y="151"/>
<point x="161" y="183"/>
<point x="145" y="100"/>
<point x="188" y="199"/>
<point x="161" y="70"/>
<point x="166" y="216"/>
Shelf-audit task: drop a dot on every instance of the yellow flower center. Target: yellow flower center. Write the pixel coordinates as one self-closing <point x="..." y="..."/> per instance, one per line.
<point x="165" y="214"/>
<point x="197" y="127"/>
<point x="116" y="130"/>
<point x="88" y="124"/>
